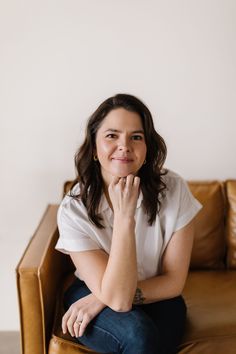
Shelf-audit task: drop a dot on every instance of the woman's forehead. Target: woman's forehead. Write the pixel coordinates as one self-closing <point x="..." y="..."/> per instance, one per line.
<point x="121" y="118"/>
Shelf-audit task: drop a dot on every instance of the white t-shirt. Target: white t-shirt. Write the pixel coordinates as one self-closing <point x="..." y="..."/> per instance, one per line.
<point x="77" y="233"/>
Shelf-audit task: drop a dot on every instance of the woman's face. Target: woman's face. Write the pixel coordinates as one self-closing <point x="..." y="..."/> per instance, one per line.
<point x="120" y="144"/>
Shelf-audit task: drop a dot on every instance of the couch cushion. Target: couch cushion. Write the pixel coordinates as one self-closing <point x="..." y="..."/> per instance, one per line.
<point x="231" y="224"/>
<point x="210" y="298"/>
<point x="209" y="243"/>
<point x="211" y="345"/>
<point x="59" y="345"/>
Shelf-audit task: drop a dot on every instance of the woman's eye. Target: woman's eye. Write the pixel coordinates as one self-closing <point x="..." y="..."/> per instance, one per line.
<point x="110" y="136"/>
<point x="137" y="137"/>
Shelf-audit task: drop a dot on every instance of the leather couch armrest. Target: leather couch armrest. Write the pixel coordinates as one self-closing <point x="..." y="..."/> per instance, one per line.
<point x="38" y="281"/>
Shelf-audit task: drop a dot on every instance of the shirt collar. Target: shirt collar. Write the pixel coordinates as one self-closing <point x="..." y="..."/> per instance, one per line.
<point x="103" y="205"/>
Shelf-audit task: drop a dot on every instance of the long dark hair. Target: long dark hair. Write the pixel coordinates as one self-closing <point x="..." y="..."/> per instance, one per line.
<point x="89" y="173"/>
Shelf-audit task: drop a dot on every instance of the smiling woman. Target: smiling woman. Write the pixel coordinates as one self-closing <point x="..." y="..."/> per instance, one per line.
<point x="127" y="226"/>
<point x="120" y="144"/>
<point x="121" y="107"/>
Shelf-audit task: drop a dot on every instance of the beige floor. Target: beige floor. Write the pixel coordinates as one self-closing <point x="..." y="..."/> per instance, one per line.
<point x="9" y="343"/>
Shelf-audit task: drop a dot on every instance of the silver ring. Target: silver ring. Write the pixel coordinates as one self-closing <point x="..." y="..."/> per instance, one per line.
<point x="78" y="322"/>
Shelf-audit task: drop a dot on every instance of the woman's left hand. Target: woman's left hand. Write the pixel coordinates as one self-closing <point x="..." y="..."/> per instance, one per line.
<point x="80" y="314"/>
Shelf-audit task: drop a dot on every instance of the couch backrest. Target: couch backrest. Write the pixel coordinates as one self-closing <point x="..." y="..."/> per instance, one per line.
<point x="209" y="246"/>
<point x="215" y="236"/>
<point x="231" y="223"/>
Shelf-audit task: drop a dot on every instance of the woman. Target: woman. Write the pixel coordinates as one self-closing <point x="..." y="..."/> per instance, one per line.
<point x="128" y="227"/>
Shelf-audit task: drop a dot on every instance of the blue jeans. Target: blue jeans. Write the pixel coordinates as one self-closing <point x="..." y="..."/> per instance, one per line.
<point x="155" y="328"/>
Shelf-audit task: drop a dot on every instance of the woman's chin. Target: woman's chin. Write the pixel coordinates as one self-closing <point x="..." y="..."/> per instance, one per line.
<point x="121" y="174"/>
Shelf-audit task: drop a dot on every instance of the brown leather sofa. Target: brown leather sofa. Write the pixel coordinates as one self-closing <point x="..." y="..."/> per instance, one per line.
<point x="210" y="291"/>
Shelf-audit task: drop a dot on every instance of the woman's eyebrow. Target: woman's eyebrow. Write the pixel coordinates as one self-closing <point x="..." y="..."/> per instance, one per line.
<point x="119" y="131"/>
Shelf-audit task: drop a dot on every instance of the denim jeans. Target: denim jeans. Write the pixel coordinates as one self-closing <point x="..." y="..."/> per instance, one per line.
<point x="155" y="328"/>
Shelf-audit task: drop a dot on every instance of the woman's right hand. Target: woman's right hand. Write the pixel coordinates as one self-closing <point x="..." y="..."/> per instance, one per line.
<point x="80" y="314"/>
<point x="123" y="193"/>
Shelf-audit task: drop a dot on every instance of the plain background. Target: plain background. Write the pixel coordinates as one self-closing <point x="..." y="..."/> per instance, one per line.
<point x="60" y="59"/>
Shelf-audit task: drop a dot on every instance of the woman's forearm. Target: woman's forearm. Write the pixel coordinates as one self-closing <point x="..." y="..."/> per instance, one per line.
<point x="158" y="288"/>
<point x="119" y="281"/>
<point x="175" y="265"/>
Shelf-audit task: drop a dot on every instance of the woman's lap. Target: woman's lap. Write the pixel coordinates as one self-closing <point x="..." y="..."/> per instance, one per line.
<point x="154" y="329"/>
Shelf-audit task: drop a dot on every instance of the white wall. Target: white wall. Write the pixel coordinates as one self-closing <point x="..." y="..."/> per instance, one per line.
<point x="59" y="59"/>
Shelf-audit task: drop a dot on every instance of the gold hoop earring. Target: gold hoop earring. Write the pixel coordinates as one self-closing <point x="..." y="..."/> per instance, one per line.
<point x="95" y="158"/>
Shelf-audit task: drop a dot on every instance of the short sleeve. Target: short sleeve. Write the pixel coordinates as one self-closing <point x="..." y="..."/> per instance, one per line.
<point x="188" y="206"/>
<point x="75" y="232"/>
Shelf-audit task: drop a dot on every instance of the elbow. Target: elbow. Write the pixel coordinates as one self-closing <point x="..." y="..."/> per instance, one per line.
<point x="176" y="285"/>
<point x="117" y="304"/>
<point x="178" y="292"/>
<point x="182" y="285"/>
<point x="120" y="302"/>
<point x="121" y="306"/>
<point x="179" y="289"/>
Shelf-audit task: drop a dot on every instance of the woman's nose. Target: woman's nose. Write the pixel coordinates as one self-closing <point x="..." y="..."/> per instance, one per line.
<point x="124" y="146"/>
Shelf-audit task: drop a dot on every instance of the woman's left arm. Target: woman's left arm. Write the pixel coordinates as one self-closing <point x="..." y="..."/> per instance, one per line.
<point x="175" y="265"/>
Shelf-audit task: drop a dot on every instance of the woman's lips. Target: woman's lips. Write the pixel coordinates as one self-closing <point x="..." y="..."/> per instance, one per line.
<point x="122" y="159"/>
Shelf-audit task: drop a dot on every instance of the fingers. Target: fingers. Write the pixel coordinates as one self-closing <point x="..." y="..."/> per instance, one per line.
<point x="75" y="323"/>
<point x="71" y="323"/>
<point x="115" y="180"/>
<point x="77" y="326"/>
<point x="80" y="326"/>
<point x="127" y="181"/>
<point x="136" y="182"/>
<point x="65" y="319"/>
<point x="132" y="181"/>
<point x="83" y="325"/>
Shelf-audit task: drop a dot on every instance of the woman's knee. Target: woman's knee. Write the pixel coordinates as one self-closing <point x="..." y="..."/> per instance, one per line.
<point x="127" y="333"/>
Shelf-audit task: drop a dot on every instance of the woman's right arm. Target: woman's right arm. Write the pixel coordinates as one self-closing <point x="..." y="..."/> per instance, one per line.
<point x="113" y="279"/>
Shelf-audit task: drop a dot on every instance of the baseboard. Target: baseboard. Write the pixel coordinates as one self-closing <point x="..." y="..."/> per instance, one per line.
<point x="9" y="342"/>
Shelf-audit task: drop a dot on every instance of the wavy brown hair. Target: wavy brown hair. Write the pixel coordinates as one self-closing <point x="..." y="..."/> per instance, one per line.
<point x="89" y="173"/>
